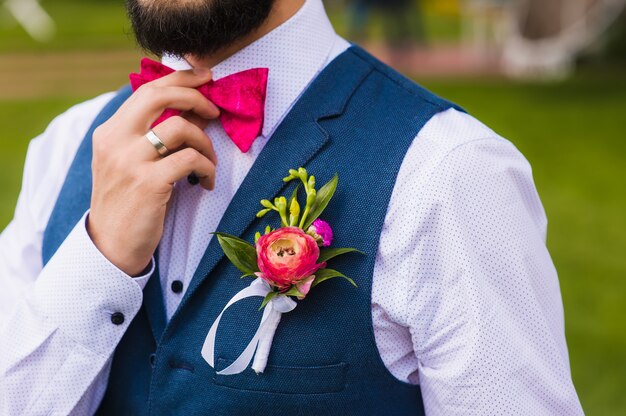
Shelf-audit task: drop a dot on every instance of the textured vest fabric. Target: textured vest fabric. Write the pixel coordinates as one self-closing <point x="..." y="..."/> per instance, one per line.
<point x="358" y="119"/>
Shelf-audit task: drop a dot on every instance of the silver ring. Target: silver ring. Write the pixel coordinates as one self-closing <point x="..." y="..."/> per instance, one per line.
<point x="157" y="143"/>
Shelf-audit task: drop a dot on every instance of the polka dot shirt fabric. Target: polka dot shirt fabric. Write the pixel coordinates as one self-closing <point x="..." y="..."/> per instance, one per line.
<point x="465" y="299"/>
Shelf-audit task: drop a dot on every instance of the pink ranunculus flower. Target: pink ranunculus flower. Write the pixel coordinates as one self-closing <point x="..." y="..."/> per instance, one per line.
<point x="322" y="232"/>
<point x="287" y="256"/>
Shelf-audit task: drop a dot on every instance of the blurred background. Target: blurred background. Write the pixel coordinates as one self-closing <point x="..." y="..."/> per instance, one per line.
<point x="550" y="75"/>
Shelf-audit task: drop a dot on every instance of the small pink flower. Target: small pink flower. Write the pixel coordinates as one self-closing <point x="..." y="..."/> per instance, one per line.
<point x="305" y="286"/>
<point x="287" y="257"/>
<point x="322" y="232"/>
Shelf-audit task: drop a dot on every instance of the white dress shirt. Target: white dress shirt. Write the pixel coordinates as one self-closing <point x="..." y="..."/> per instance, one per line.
<point x="465" y="299"/>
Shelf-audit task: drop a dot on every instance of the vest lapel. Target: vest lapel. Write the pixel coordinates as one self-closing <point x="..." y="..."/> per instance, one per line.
<point x="296" y="141"/>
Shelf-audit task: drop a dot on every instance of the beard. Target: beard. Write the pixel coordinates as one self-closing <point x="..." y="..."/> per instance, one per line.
<point x="198" y="28"/>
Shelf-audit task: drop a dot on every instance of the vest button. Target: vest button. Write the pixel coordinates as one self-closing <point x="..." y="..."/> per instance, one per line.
<point x="152" y="360"/>
<point x="177" y="286"/>
<point x="193" y="179"/>
<point x="117" y="318"/>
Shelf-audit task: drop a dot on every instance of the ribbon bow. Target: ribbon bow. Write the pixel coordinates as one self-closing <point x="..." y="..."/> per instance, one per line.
<point x="261" y="343"/>
<point x="240" y="97"/>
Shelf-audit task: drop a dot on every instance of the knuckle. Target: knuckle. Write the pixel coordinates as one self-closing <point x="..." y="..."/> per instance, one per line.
<point x="207" y="167"/>
<point x="179" y="124"/>
<point x="189" y="156"/>
<point x="99" y="139"/>
<point x="176" y="130"/>
<point x="98" y="131"/>
<point x="194" y="93"/>
<point x="147" y="90"/>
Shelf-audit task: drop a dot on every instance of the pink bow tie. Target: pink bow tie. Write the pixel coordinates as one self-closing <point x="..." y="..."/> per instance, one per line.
<point x="240" y="97"/>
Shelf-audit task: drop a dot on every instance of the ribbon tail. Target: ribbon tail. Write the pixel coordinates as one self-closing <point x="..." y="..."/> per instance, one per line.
<point x="260" y="345"/>
<point x="208" y="348"/>
<point x="265" y="342"/>
<point x="241" y="363"/>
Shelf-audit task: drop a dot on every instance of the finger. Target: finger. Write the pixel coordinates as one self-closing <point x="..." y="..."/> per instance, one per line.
<point x="195" y="119"/>
<point x="148" y="103"/>
<point x="190" y="79"/>
<point x="177" y="133"/>
<point x="153" y="101"/>
<point x="183" y="163"/>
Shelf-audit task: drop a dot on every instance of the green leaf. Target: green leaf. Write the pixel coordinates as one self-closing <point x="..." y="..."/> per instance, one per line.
<point x="329" y="253"/>
<point x="325" y="274"/>
<point x="241" y="253"/>
<point x="268" y="298"/>
<point x="322" y="199"/>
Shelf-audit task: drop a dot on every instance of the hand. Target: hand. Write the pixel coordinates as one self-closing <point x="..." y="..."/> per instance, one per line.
<point x="132" y="183"/>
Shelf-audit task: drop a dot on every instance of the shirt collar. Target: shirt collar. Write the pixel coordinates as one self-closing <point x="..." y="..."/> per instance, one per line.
<point x="295" y="53"/>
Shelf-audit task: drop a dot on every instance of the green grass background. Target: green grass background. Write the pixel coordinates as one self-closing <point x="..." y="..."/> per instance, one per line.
<point x="572" y="132"/>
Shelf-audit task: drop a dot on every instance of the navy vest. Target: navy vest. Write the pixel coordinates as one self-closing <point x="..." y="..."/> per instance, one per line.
<point x="358" y="118"/>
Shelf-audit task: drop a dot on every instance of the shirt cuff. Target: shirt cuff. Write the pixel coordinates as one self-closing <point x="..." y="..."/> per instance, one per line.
<point x="87" y="297"/>
<point x="142" y="280"/>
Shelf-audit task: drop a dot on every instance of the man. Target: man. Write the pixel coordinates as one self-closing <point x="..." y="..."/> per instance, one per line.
<point x="457" y="309"/>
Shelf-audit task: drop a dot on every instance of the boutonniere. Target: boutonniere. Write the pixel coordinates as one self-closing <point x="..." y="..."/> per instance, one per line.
<point x="286" y="263"/>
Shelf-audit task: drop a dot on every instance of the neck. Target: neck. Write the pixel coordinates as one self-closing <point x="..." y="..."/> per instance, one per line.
<point x="282" y="11"/>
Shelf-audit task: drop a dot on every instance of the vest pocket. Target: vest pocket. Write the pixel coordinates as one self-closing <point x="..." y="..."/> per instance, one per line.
<point x="286" y="380"/>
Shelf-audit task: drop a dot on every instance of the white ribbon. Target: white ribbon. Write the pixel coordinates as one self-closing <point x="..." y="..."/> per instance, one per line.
<point x="262" y="340"/>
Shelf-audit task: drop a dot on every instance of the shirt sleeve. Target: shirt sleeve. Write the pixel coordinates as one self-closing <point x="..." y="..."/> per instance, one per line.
<point x="483" y="304"/>
<point x="59" y="324"/>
